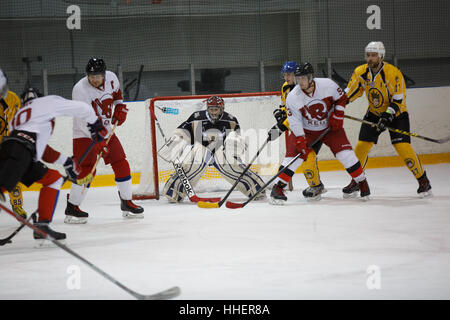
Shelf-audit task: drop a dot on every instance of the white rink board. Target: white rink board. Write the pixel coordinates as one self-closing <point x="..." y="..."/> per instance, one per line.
<point x="429" y="111"/>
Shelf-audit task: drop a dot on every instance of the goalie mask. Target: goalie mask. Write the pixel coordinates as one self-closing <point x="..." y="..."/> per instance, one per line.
<point x="215" y="107"/>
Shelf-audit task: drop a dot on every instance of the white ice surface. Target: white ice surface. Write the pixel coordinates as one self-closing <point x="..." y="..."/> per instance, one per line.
<point x="319" y="250"/>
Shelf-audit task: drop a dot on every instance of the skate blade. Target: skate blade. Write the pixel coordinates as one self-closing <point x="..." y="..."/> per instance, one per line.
<point x="74" y="220"/>
<point x="426" y="194"/>
<point x="276" y="202"/>
<point x="314" y="199"/>
<point x="44" y="243"/>
<point x="350" y="195"/>
<point x="129" y="215"/>
<point x="365" y="198"/>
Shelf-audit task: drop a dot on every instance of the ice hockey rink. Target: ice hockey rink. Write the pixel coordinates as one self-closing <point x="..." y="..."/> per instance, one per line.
<point x="395" y="246"/>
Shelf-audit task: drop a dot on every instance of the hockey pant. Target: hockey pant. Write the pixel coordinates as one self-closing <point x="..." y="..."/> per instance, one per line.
<point x="17" y="165"/>
<point x="196" y="163"/>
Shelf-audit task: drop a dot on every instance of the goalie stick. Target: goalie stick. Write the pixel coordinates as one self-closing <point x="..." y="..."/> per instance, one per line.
<point x="165" y="294"/>
<point x="373" y="124"/>
<point x="234" y="205"/>
<point x="202" y="204"/>
<point x="182" y="175"/>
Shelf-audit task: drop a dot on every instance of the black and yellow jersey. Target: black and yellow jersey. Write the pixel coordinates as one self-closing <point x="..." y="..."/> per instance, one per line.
<point x="383" y="89"/>
<point x="285" y="89"/>
<point x="8" y="109"/>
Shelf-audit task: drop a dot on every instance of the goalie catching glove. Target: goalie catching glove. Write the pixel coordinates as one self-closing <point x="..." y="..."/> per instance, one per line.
<point x="175" y="146"/>
<point x="234" y="146"/>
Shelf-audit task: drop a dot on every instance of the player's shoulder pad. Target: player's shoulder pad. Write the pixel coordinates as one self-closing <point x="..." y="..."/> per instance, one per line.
<point x="360" y="70"/>
<point x="228" y="116"/>
<point x="390" y="69"/>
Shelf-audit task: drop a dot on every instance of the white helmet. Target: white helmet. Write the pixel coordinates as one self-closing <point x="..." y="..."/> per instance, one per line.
<point x="376" y="46"/>
<point x="3" y="85"/>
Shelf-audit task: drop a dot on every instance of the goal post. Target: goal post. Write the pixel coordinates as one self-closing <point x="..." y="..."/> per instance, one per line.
<point x="254" y="112"/>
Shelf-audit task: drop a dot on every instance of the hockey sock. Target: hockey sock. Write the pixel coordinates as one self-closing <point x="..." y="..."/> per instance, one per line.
<point x="351" y="164"/>
<point x="77" y="194"/>
<point x="122" y="174"/>
<point x="16" y="196"/>
<point x="286" y="176"/>
<point x="125" y="188"/>
<point x="310" y="170"/>
<point x="362" y="151"/>
<point x="48" y="196"/>
<point x="406" y="152"/>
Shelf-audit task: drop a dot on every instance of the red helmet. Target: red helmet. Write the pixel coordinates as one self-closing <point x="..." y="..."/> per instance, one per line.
<point x="215" y="101"/>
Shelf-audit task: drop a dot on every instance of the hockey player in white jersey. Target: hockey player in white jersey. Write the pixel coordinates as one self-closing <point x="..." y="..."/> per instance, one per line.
<point x="100" y="89"/>
<point x="312" y="106"/>
<point x="22" y="150"/>
<point x="210" y="135"/>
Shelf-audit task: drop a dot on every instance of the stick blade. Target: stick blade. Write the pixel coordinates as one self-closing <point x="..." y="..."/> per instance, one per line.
<point x="233" y="205"/>
<point x="163" y="295"/>
<point x="207" y="205"/>
<point x="444" y="140"/>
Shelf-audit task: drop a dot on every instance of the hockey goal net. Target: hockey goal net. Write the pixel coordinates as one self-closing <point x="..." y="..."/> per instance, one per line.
<point x="254" y="112"/>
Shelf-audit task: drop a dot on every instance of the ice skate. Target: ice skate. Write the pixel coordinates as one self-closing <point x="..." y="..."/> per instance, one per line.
<point x="74" y="215"/>
<point x="364" y="190"/>
<point x="42" y="241"/>
<point x="314" y="193"/>
<point x="350" y="191"/>
<point x="424" y="189"/>
<point x="277" y="196"/>
<point x="130" y="210"/>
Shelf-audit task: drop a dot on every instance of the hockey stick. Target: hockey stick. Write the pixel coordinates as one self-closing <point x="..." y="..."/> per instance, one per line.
<point x="166" y="294"/>
<point x="8" y="239"/>
<point x="234" y="205"/>
<point x="203" y="204"/>
<point x="373" y="124"/>
<point x="182" y="175"/>
<point x="84" y="181"/>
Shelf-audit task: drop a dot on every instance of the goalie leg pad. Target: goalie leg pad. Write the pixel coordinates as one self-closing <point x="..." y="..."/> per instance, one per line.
<point x="194" y="166"/>
<point x="231" y="169"/>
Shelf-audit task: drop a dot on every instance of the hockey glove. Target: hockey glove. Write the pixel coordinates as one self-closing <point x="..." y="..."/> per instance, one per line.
<point x="336" y="120"/>
<point x="300" y="145"/>
<point x="386" y="119"/>
<point x="72" y="169"/>
<point x="120" y="114"/>
<point x="280" y="114"/>
<point x="98" y="131"/>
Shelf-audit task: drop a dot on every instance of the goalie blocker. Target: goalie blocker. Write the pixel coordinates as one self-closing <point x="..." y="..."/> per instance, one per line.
<point x="208" y="137"/>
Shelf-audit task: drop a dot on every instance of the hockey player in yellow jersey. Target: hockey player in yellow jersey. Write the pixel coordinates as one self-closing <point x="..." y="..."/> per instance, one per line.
<point x="385" y="90"/>
<point x="309" y="167"/>
<point x="9" y="104"/>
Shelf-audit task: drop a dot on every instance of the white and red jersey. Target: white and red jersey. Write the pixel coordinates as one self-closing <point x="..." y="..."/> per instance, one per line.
<point x="311" y="111"/>
<point x="37" y="116"/>
<point x="102" y="100"/>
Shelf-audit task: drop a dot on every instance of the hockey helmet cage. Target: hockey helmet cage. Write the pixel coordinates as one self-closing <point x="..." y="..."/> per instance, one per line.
<point x="3" y="85"/>
<point x="376" y="46"/>
<point x="215" y="101"/>
<point x="289" y="67"/>
<point x="30" y="94"/>
<point x="96" y="66"/>
<point x="303" y="69"/>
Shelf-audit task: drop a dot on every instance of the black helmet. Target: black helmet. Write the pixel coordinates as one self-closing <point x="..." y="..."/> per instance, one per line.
<point x="303" y="69"/>
<point x="30" y="94"/>
<point x="96" y="66"/>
